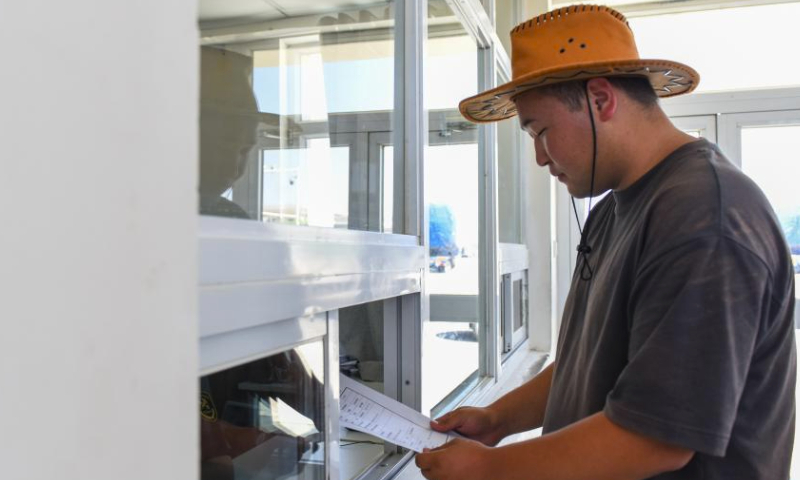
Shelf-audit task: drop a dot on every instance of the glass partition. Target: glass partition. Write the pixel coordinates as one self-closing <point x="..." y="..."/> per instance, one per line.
<point x="290" y="99"/>
<point x="265" y="419"/>
<point x="363" y="331"/>
<point x="450" y="348"/>
<point x="513" y="310"/>
<point x="509" y="179"/>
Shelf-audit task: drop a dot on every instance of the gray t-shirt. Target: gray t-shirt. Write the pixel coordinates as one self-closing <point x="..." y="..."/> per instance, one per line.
<point x="685" y="332"/>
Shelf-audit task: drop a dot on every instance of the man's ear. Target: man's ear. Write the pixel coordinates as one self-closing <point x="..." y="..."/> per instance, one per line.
<point x="603" y="98"/>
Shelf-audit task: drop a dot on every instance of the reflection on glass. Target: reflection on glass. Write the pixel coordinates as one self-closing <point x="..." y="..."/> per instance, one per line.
<point x="307" y="186"/>
<point x="387" y="157"/>
<point x="265" y="419"/>
<point x="509" y="174"/>
<point x="450" y="355"/>
<point x="228" y="123"/>
<point x="451" y="64"/>
<point x="766" y="158"/>
<point x="361" y="337"/>
<point x="518" y="296"/>
<point x="289" y="100"/>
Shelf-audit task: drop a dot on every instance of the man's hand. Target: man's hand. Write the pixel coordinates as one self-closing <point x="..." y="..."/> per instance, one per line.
<point x="477" y="423"/>
<point x="458" y="459"/>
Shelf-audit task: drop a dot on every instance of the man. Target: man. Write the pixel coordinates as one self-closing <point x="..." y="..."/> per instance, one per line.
<point x="228" y="122"/>
<point x="676" y="355"/>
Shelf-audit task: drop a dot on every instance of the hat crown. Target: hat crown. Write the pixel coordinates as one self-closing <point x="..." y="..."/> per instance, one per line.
<point x="575" y="35"/>
<point x="574" y="43"/>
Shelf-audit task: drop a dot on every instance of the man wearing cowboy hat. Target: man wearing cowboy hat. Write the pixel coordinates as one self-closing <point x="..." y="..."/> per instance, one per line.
<point x="676" y="355"/>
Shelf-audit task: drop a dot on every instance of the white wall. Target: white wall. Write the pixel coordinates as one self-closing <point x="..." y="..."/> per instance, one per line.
<point x="545" y="268"/>
<point x="98" y="123"/>
<point x="538" y="237"/>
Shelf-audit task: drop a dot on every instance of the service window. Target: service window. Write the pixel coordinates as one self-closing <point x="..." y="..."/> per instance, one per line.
<point x="289" y="99"/>
<point x="265" y="419"/>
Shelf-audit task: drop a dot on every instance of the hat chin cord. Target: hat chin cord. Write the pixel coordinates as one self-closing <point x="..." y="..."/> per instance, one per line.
<point x="583" y="248"/>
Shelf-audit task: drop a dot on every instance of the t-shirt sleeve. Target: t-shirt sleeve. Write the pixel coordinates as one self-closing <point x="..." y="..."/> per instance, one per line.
<point x="693" y="321"/>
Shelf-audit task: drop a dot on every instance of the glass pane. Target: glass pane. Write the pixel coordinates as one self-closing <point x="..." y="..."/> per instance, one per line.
<point x="288" y="103"/>
<point x="450" y="355"/>
<point x="449" y="50"/>
<point x="711" y="42"/>
<point x="308" y="185"/>
<point x="519" y="319"/>
<point x="508" y="180"/>
<point x="265" y="419"/>
<point x="387" y="157"/>
<point x="769" y="157"/>
<point x="361" y="340"/>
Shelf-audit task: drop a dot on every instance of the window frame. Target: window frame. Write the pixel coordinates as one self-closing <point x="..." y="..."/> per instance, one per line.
<point x="261" y="286"/>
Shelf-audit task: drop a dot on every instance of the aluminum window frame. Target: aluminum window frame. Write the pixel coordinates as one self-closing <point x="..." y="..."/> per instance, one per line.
<point x="253" y="345"/>
<point x="262" y="289"/>
<point x="492" y="60"/>
<point x="705" y="125"/>
<point x="248" y="268"/>
<point x="258" y="273"/>
<point x="732" y="124"/>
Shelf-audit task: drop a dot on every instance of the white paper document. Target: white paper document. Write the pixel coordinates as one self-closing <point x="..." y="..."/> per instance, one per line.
<point x="368" y="411"/>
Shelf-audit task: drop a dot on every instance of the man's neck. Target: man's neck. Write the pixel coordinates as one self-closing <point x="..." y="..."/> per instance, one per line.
<point x="648" y="142"/>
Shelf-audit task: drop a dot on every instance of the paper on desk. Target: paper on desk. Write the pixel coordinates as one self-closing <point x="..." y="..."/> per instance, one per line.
<point x="368" y="411"/>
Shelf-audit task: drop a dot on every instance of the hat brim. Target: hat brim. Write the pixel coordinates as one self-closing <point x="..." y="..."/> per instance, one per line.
<point x="667" y="78"/>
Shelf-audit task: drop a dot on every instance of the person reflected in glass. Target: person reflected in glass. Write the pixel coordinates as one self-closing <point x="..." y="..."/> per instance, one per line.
<point x="242" y="433"/>
<point x="238" y="435"/>
<point x="228" y="125"/>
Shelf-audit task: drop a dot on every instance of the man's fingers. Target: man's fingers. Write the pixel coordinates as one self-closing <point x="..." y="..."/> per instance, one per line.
<point x="439" y="448"/>
<point x="424" y="460"/>
<point x="428" y="458"/>
<point x="446" y="422"/>
<point x="432" y="463"/>
<point x="439" y="426"/>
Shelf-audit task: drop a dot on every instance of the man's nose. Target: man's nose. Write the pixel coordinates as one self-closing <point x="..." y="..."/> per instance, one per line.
<point x="542" y="158"/>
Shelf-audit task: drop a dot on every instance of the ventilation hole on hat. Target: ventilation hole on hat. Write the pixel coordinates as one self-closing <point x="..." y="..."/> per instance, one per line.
<point x="562" y="51"/>
<point x="583" y="45"/>
<point x="571" y="40"/>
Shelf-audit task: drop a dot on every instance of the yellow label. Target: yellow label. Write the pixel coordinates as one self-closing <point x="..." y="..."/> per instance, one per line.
<point x="207" y="408"/>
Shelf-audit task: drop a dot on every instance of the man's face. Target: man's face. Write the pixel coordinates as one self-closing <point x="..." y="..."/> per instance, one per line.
<point x="562" y="138"/>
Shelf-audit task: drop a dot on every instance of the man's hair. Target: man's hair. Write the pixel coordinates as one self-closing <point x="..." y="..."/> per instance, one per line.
<point x="573" y="93"/>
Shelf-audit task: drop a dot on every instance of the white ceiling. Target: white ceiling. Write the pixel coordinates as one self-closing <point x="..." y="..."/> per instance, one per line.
<point x="264" y="10"/>
<point x="633" y="8"/>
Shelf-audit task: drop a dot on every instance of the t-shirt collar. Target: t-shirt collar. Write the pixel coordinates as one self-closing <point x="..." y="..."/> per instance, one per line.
<point x="625" y="199"/>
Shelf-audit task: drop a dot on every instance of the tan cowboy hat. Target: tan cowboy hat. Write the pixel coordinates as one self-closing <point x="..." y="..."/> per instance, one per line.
<point x="574" y="43"/>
